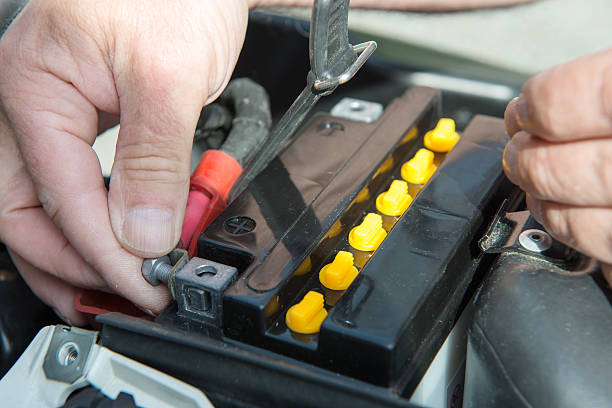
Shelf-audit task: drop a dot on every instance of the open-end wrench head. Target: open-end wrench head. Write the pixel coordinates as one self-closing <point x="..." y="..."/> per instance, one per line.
<point x="331" y="53"/>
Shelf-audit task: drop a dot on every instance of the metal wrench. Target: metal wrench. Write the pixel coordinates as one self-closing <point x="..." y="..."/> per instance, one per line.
<point x="333" y="61"/>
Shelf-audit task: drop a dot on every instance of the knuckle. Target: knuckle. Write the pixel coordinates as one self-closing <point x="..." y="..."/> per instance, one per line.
<point x="536" y="174"/>
<point x="542" y="96"/>
<point x="144" y="163"/>
<point x="154" y="72"/>
<point x="172" y="78"/>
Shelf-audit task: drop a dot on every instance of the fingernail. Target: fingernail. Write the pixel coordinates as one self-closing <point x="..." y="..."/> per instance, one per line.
<point x="521" y="111"/>
<point x="515" y="115"/>
<point x="148" y="311"/>
<point x="509" y="163"/>
<point x="150" y="230"/>
<point x="510" y="115"/>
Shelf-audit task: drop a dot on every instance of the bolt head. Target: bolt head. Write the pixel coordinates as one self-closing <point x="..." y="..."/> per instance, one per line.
<point x="149" y="266"/>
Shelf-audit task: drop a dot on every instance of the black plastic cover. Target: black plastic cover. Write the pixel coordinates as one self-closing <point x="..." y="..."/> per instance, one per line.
<point x="406" y="295"/>
<point x="539" y="339"/>
<point x="90" y="397"/>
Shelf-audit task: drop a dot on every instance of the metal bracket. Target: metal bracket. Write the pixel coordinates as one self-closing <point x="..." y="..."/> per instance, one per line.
<point x="63" y="359"/>
<point x="518" y="232"/>
<point x="357" y="110"/>
<point x="68" y="353"/>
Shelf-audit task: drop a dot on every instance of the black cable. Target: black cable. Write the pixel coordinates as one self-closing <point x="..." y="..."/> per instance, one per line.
<point x="252" y="119"/>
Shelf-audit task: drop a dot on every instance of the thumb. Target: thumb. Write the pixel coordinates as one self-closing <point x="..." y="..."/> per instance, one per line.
<point x="164" y="73"/>
<point x="150" y="176"/>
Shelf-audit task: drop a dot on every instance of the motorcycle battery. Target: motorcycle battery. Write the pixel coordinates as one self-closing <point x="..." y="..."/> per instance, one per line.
<point x="385" y="328"/>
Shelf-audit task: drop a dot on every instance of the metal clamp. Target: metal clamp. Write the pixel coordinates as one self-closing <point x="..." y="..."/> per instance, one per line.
<point x="197" y="284"/>
<point x="199" y="288"/>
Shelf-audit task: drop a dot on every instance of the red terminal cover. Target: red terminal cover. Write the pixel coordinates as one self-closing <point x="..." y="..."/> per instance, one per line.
<point x="94" y="302"/>
<point x="198" y="203"/>
<point x="212" y="179"/>
<point x="217" y="170"/>
<point x="215" y="175"/>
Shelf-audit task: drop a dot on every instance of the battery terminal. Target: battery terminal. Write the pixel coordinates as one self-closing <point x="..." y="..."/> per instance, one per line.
<point x="420" y="168"/>
<point x="443" y="137"/>
<point x="339" y="274"/>
<point x="307" y="316"/>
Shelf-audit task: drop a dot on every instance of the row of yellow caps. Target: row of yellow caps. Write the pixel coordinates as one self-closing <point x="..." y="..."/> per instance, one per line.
<point x="307" y="316"/>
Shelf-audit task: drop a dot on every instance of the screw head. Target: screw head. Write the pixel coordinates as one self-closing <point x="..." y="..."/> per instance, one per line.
<point x="149" y="268"/>
<point x="239" y="225"/>
<point x="535" y="240"/>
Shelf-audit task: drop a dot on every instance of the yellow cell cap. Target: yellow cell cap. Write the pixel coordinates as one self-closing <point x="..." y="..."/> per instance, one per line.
<point x="339" y="274"/>
<point x="411" y="134"/>
<point x="363" y="195"/>
<point x="368" y="235"/>
<point x="335" y="229"/>
<point x="420" y="168"/>
<point x="307" y="316"/>
<point x="304" y="268"/>
<point x="386" y="166"/>
<point x="443" y="138"/>
<point x="395" y="200"/>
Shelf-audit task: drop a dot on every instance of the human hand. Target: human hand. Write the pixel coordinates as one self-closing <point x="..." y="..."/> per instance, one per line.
<point x="154" y="64"/>
<point x="561" y="153"/>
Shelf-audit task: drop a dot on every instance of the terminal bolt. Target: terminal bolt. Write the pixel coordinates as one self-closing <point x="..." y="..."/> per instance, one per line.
<point x="156" y="270"/>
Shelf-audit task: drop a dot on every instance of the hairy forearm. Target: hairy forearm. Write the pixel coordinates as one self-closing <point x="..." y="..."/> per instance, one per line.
<point x="407" y="5"/>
